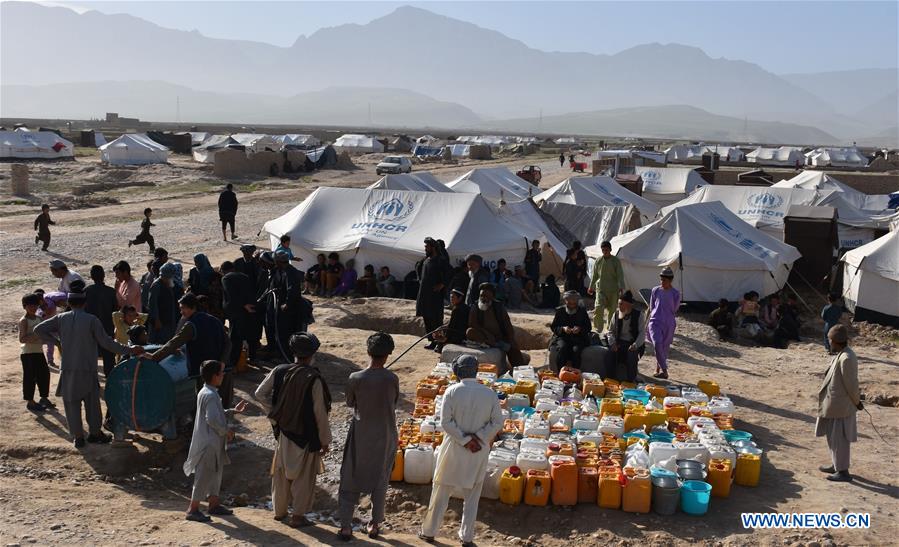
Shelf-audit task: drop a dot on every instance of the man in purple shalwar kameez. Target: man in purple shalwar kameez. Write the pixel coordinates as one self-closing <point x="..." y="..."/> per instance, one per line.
<point x="663" y="305"/>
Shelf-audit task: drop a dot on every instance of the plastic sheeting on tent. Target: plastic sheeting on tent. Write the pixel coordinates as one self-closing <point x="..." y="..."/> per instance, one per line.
<point x="197" y="137"/>
<point x="591" y="225"/>
<point x="421" y="181"/>
<point x="666" y="185"/>
<point x="836" y="157"/>
<point x="459" y="150"/>
<point x="871" y="280"/>
<point x="527" y="217"/>
<point x="99" y="139"/>
<point x="785" y="155"/>
<point x="422" y="150"/>
<point x="205" y="151"/>
<point x="388" y="227"/>
<point x="598" y="192"/>
<point x="713" y="253"/>
<point x="358" y="143"/>
<point x="297" y="140"/>
<point x="34" y="145"/>
<point x="133" y="149"/>
<point x="494" y="183"/>
<point x="818" y="180"/>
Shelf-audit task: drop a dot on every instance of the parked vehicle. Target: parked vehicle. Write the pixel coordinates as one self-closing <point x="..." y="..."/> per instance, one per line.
<point x="393" y="165"/>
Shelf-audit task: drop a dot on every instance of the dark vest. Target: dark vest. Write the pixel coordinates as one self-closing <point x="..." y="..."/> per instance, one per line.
<point x="208" y="341"/>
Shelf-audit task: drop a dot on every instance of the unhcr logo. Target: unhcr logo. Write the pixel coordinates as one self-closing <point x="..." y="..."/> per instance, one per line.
<point x="721" y="223"/>
<point x="393" y="209"/>
<point x="651" y="177"/>
<point x="765" y="200"/>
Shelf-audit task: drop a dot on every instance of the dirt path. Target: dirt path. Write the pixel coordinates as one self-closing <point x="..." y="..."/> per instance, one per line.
<point x="136" y="492"/>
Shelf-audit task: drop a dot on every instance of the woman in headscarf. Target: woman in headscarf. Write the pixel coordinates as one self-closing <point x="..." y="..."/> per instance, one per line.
<point x="663" y="305"/>
<point x="200" y="276"/>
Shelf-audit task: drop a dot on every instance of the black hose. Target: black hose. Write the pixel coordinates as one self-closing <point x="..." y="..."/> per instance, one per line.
<point x="412" y="346"/>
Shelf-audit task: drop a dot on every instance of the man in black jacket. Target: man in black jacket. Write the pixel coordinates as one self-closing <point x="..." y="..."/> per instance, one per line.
<point x="101" y="302"/>
<point x="454" y="331"/>
<point x="477" y="276"/>
<point x="239" y="304"/>
<point x="228" y="210"/>
<point x="293" y="313"/>
<point x="429" y="304"/>
<point x="571" y="331"/>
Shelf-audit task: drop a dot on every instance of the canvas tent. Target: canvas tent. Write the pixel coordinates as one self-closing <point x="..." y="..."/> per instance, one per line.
<point x="320" y="158"/>
<point x="871" y="280"/>
<point x="598" y="192"/>
<point x="713" y="253"/>
<point x="818" y="180"/>
<point x="197" y="137"/>
<point x="44" y="145"/>
<point x="494" y="183"/>
<point x="387" y="227"/>
<point x="421" y="181"/>
<point x="358" y="144"/>
<point x="296" y="140"/>
<point x="666" y="185"/>
<point x="685" y="152"/>
<point x="459" y="150"/>
<point x="592" y="225"/>
<point x="785" y="155"/>
<point x="205" y="151"/>
<point x="133" y="149"/>
<point x="836" y="157"/>
<point x="256" y="142"/>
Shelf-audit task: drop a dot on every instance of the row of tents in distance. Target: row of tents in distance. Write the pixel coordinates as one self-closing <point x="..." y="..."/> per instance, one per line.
<point x="721" y="241"/>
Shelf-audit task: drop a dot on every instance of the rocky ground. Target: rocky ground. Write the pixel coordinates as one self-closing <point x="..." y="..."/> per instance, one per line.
<point x="135" y="492"/>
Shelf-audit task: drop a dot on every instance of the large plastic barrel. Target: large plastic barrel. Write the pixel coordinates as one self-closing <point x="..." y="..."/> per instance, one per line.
<point x="151" y="402"/>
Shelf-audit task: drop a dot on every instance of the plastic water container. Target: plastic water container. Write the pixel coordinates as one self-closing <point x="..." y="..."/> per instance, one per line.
<point x="560" y="417"/>
<point x="418" y="465"/>
<point x="589" y="436"/>
<point x="564" y="473"/>
<point x="586" y="423"/>
<point x="737" y="435"/>
<point x="749" y="466"/>
<point x="723" y="452"/>
<point x="721" y="405"/>
<point x="661" y="451"/>
<point x="537" y="488"/>
<point x="587" y="484"/>
<point x="398" y="461"/>
<point x="695" y="497"/>
<point x="537" y="446"/>
<point x="665" y="494"/>
<point x="503" y="458"/>
<point x="636" y="496"/>
<point x="492" y="476"/>
<point x="720" y="476"/>
<point x="709" y="387"/>
<point x="691" y="451"/>
<point x="676" y="407"/>
<point x="486" y="377"/>
<point x="609" y="487"/>
<point x="636" y="395"/>
<point x="525" y="372"/>
<point x="511" y="486"/>
<point x="548" y="394"/>
<point x="694" y="395"/>
<point x="693" y="420"/>
<point x="613" y="425"/>
<point x="553" y="384"/>
<point x="530" y="460"/>
<point x="515" y="400"/>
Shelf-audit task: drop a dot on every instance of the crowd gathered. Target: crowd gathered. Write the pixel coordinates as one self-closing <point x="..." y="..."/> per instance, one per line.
<point x="261" y="296"/>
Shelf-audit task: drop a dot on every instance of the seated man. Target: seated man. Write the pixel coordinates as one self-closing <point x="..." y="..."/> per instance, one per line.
<point x="347" y="279"/>
<point x="385" y="283"/>
<point x="550" y="294"/>
<point x="315" y="281"/>
<point x="626" y="339"/>
<point x="333" y="271"/>
<point x="526" y="282"/>
<point x="722" y="320"/>
<point x="365" y="285"/>
<point x="489" y="324"/>
<point x="768" y="314"/>
<point x="454" y="331"/>
<point x="571" y="331"/>
<point x="515" y="293"/>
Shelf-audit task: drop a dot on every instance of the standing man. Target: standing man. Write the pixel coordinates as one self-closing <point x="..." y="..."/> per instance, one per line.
<point x="79" y="334"/>
<point x="561" y="159"/>
<point x="429" y="304"/>
<point x="571" y="331"/>
<point x="239" y="303"/>
<point x="838" y="401"/>
<point x="532" y="261"/>
<point x="248" y="263"/>
<point x="207" y="457"/>
<point x="471" y="417"/>
<point x="371" y="443"/>
<point x="101" y="303"/>
<point x="477" y="276"/>
<point x="42" y="226"/>
<point x="204" y="337"/>
<point x="607" y="284"/>
<point x="62" y="272"/>
<point x="228" y="210"/>
<point x="161" y="306"/>
<point x="290" y="315"/>
<point x="127" y="288"/>
<point x="300" y="407"/>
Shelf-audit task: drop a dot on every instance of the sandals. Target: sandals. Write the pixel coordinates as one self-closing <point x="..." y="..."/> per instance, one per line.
<point x="300" y="522"/>
<point x="220" y="510"/>
<point x="373" y="531"/>
<point x="197" y="516"/>
<point x="345" y="536"/>
<point x="426" y="539"/>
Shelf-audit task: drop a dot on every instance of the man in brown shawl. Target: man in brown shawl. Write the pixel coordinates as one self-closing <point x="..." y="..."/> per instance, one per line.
<point x="371" y="444"/>
<point x="489" y="324"/>
<point x="300" y="406"/>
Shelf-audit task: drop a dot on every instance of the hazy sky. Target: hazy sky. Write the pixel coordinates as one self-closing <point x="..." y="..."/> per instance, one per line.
<point x="803" y="36"/>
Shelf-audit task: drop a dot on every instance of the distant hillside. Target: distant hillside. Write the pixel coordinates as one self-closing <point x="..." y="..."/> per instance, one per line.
<point x="160" y="101"/>
<point x="673" y="121"/>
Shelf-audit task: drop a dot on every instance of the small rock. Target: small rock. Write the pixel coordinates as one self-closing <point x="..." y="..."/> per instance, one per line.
<point x="56" y="526"/>
<point x="205" y="544"/>
<point x="12" y="545"/>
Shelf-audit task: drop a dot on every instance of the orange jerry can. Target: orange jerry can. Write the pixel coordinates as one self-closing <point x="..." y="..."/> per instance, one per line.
<point x="570" y="375"/>
<point x="636" y="496"/>
<point x="595" y="388"/>
<point x="488" y="367"/>
<point x="609" y="487"/>
<point x="563" y="471"/>
<point x="720" y="473"/>
<point x="709" y="387"/>
<point x="587" y="484"/>
<point x="243" y="363"/>
<point x="537" y="488"/>
<point x="397" y="474"/>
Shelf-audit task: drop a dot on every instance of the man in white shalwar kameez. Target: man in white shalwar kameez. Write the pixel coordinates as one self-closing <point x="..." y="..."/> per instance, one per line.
<point x="471" y="418"/>
<point x="206" y="458"/>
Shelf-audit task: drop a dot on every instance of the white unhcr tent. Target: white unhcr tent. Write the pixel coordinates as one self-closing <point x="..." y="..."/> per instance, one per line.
<point x="818" y="180"/>
<point x="666" y="185"/>
<point x="205" y="151"/>
<point x="420" y="181"/>
<point x="297" y="140"/>
<point x="256" y="142"/>
<point x="34" y="145"/>
<point x="836" y="157"/>
<point x="133" y="149"/>
<point x="592" y="225"/>
<point x="871" y="280"/>
<point x="388" y="227"/>
<point x="785" y="155"/>
<point x="494" y="183"/>
<point x="358" y="144"/>
<point x="598" y="192"/>
<point x="713" y="253"/>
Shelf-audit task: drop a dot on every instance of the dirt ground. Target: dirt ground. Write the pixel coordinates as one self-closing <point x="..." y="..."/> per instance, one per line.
<point x="135" y="492"/>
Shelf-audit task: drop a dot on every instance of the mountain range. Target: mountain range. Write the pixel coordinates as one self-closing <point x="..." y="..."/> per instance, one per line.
<point x="443" y="62"/>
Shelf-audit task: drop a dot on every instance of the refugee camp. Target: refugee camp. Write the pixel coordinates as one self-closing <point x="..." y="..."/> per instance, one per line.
<point x="449" y="273"/>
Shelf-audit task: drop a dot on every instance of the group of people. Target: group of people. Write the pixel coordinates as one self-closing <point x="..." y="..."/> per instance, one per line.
<point x="774" y="322"/>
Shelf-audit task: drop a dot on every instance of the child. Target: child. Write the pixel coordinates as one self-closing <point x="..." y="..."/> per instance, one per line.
<point x="144" y="235"/>
<point x="42" y="225"/>
<point x="124" y="319"/>
<point x="138" y="336"/>
<point x="749" y="309"/>
<point x="831" y="315"/>
<point x="35" y="371"/>
<point x="49" y="305"/>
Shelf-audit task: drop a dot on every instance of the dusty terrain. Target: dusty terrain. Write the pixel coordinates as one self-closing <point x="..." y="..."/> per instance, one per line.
<point x="136" y="493"/>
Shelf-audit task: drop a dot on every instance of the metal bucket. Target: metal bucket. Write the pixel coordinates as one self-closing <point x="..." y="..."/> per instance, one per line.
<point x="665" y="495"/>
